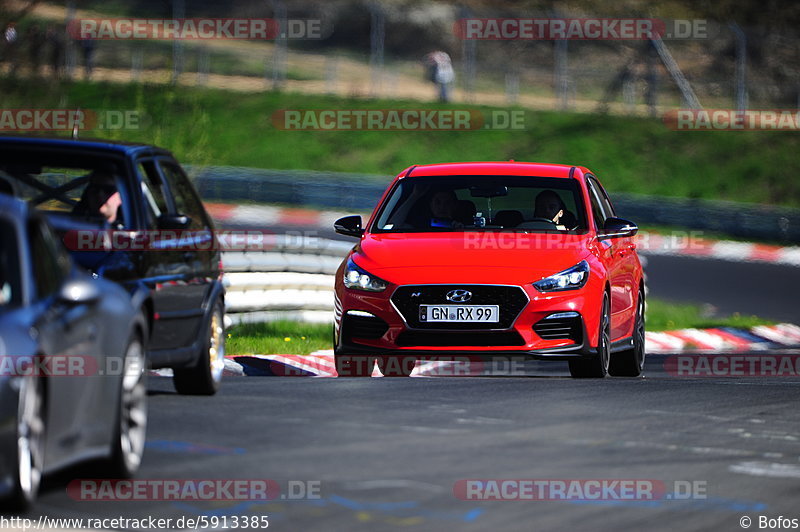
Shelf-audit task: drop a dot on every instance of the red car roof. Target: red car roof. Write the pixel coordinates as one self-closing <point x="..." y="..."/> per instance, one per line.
<point x="495" y="168"/>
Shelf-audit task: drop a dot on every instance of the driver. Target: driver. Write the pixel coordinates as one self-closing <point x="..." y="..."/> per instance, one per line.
<point x="549" y="205"/>
<point x="101" y="197"/>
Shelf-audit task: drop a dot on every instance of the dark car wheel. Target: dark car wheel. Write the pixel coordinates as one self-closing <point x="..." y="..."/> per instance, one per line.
<point x="131" y="425"/>
<point x="630" y="363"/>
<point x="597" y="366"/>
<point x="205" y="377"/>
<point x="396" y="366"/>
<point x="354" y="366"/>
<point x="29" y="449"/>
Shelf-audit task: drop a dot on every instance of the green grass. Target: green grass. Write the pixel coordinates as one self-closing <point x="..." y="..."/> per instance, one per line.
<point x="304" y="338"/>
<point x="279" y="337"/>
<point x="630" y="154"/>
<point x="664" y="316"/>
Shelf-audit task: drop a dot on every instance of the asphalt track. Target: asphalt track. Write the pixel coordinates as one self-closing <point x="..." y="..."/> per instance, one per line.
<point x="387" y="452"/>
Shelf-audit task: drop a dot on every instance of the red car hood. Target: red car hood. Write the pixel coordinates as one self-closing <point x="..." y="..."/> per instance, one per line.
<point x="470" y="257"/>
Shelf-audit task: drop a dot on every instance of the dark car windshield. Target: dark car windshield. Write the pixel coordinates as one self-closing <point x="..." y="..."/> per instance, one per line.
<point x="73" y="184"/>
<point x="483" y="203"/>
<point x="10" y="293"/>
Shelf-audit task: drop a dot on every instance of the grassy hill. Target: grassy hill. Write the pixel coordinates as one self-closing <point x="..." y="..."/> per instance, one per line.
<point x="211" y="126"/>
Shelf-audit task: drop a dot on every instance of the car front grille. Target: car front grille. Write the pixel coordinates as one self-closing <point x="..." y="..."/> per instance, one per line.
<point x="445" y="339"/>
<point x="510" y="299"/>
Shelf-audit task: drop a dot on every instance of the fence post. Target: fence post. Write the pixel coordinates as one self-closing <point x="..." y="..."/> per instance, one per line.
<point x="203" y="65"/>
<point x="377" y="38"/>
<point x="560" y="74"/>
<point x="280" y="53"/>
<point x="468" y="53"/>
<point x="69" y="43"/>
<point x="178" y="12"/>
<point x="740" y="71"/>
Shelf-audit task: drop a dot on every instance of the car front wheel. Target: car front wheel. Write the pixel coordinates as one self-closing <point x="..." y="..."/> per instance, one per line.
<point x="131" y="426"/>
<point x="396" y="366"/>
<point x="29" y="445"/>
<point x="597" y="366"/>
<point x="354" y="366"/>
<point x="630" y="363"/>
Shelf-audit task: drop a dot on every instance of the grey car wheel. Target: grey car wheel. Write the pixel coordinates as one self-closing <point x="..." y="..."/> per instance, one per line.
<point x="130" y="433"/>
<point x="29" y="444"/>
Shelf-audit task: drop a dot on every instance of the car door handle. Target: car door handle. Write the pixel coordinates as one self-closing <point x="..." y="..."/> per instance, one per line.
<point x="189" y="255"/>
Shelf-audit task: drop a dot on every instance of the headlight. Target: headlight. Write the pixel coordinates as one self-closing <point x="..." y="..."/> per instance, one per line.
<point x="358" y="279"/>
<point x="569" y="279"/>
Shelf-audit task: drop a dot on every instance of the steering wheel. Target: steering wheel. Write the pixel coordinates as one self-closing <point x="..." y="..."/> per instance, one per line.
<point x="540" y="219"/>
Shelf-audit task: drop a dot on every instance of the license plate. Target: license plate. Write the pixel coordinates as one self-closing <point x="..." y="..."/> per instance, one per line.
<point x="459" y="313"/>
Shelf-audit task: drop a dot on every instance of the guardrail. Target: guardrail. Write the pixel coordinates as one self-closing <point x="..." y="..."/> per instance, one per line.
<point x="361" y="192"/>
<point x="292" y="279"/>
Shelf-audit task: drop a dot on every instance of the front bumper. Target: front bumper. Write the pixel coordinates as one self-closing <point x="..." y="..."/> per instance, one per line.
<point x="392" y="333"/>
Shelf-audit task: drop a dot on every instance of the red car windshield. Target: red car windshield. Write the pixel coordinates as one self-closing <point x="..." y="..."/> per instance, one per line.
<point x="483" y="203"/>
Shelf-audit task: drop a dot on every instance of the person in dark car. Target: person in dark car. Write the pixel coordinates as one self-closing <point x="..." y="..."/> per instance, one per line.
<point x="101" y="197"/>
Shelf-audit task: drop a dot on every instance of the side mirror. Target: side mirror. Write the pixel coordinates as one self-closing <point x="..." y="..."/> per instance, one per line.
<point x="349" y="226"/>
<point x="173" y="221"/>
<point x="79" y="291"/>
<point x="617" y="227"/>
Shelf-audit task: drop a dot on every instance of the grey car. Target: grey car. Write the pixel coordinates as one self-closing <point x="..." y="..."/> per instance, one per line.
<point x="72" y="362"/>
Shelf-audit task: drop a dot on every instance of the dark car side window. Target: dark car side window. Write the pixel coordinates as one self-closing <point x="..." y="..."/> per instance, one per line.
<point x="153" y="191"/>
<point x="50" y="265"/>
<point x="183" y="194"/>
<point x="608" y="208"/>
<point x="597" y="208"/>
<point x="10" y="281"/>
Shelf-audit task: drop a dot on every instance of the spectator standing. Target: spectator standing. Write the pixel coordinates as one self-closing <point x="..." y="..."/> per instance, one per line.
<point x="10" y="43"/>
<point x="34" y="38"/>
<point x="440" y="71"/>
<point x="55" y="41"/>
<point x="87" y="49"/>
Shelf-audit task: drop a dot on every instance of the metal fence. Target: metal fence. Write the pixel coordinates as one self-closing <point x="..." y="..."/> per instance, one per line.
<point x="375" y="49"/>
<point x="291" y="280"/>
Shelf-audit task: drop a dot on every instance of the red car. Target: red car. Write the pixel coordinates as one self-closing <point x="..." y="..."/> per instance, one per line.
<point x="491" y="259"/>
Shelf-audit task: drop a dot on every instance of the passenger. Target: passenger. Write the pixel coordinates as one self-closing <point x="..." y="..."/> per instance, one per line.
<point x="443" y="205"/>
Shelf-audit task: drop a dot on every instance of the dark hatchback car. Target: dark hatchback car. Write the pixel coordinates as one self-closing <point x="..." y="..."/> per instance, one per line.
<point x="128" y="213"/>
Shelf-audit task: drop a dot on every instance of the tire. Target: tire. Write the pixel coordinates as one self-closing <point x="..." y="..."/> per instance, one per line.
<point x="597" y="366"/>
<point x="354" y="366"/>
<point x="396" y="366"/>
<point x="205" y="376"/>
<point x="29" y="451"/>
<point x="131" y="422"/>
<point x="630" y="363"/>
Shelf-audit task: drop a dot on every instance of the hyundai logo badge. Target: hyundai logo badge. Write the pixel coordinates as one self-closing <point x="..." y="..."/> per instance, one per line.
<point x="458" y="296"/>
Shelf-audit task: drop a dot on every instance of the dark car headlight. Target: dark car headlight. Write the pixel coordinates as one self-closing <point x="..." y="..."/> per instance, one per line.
<point x="359" y="279"/>
<point x="569" y="279"/>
